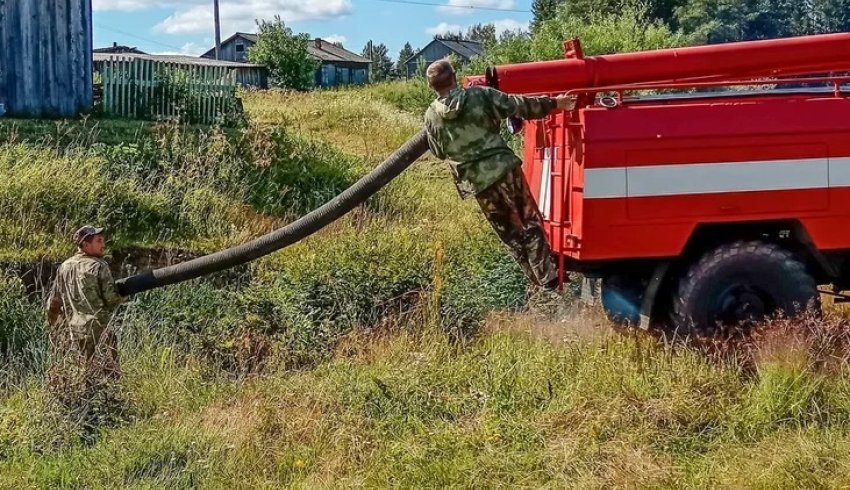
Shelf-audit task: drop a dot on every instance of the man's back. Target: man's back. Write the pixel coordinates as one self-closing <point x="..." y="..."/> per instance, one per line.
<point x="85" y="288"/>
<point x="464" y="127"/>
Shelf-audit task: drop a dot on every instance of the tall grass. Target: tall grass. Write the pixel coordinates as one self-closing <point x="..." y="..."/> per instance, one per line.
<point x="357" y="357"/>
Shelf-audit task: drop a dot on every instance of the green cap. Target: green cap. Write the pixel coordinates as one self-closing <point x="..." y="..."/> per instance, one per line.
<point x="85" y="232"/>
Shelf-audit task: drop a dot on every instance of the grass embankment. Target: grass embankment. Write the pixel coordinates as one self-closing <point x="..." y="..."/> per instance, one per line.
<point x="353" y="358"/>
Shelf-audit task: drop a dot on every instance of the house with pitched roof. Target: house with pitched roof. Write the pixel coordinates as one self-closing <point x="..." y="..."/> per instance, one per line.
<point x="337" y="65"/>
<point x="440" y="48"/>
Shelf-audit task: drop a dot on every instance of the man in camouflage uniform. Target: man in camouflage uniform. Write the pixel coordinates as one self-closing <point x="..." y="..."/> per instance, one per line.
<point x="82" y="301"/>
<point x="463" y="126"/>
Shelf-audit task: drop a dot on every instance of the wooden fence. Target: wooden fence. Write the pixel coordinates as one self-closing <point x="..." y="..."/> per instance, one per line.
<point x="139" y="88"/>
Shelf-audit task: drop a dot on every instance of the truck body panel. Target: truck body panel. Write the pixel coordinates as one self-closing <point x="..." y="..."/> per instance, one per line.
<point x="636" y="180"/>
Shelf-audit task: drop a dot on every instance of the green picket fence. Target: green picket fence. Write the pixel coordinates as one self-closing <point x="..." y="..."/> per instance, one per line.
<point x="139" y="88"/>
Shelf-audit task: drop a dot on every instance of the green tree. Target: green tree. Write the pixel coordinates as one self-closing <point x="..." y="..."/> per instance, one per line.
<point x="543" y="10"/>
<point x="835" y="15"/>
<point x="663" y="10"/>
<point x="712" y="21"/>
<point x="715" y="21"/>
<point x="450" y="36"/>
<point x="285" y="54"/>
<point x="482" y="33"/>
<point x="629" y="29"/>
<point x="405" y="54"/>
<point x="382" y="65"/>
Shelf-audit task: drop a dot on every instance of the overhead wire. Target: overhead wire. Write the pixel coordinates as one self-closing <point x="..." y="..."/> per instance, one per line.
<point x="125" y="33"/>
<point x="444" y="5"/>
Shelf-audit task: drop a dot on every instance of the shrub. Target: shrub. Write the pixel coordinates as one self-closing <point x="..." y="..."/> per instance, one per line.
<point x="21" y="325"/>
<point x="412" y="95"/>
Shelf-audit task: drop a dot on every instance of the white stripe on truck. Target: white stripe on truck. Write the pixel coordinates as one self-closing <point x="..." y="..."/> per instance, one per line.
<point x="710" y="178"/>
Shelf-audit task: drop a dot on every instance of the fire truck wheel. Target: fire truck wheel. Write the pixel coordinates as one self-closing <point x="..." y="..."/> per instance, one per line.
<point x="621" y="300"/>
<point x="739" y="284"/>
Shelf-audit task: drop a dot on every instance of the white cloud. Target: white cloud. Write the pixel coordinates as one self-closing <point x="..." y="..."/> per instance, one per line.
<point x="443" y="28"/>
<point x="124" y="5"/>
<point x="501" y="26"/>
<point x="461" y="7"/>
<point x="198" y="16"/>
<point x="511" y="25"/>
<point x="335" y="38"/>
<point x="188" y="49"/>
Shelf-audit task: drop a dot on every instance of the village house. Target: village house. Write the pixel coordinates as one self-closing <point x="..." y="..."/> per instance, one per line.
<point x="440" y="48"/>
<point x="337" y="65"/>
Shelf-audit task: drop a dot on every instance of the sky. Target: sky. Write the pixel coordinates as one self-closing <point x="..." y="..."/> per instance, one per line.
<point x="186" y="26"/>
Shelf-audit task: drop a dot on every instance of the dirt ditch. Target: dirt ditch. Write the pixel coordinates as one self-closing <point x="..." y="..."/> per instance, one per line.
<point x="37" y="276"/>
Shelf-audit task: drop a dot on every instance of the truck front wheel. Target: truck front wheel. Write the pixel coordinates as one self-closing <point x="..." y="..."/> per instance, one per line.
<point x="739" y="284"/>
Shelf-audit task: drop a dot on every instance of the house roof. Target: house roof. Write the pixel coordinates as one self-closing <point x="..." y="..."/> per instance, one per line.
<point x="244" y="35"/>
<point x="464" y="49"/>
<point x="186" y="60"/>
<point x="116" y="48"/>
<point x="326" y="51"/>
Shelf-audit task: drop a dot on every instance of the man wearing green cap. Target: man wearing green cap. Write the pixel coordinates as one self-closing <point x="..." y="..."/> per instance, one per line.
<point x="83" y="299"/>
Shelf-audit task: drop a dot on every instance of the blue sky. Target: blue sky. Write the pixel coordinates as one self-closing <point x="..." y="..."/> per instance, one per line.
<point x="172" y="26"/>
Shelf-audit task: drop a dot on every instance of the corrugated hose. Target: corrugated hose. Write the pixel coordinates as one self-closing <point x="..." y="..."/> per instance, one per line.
<point x="294" y="232"/>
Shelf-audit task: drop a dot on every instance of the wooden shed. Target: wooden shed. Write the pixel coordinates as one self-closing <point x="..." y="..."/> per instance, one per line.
<point x="45" y="60"/>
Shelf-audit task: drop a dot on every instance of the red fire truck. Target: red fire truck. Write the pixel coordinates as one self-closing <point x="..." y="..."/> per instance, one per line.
<point x="704" y="186"/>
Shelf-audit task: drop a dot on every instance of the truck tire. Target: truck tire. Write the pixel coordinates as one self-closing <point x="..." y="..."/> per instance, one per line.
<point x="738" y="285"/>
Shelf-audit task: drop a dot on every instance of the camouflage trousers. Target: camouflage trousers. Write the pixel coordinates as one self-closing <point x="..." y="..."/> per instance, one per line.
<point x="83" y="361"/>
<point x="512" y="212"/>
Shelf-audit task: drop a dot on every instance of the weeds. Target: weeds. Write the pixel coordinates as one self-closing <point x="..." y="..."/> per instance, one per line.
<point x="357" y="357"/>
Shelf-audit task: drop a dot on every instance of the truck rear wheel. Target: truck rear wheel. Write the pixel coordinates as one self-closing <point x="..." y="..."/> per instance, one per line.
<point x="739" y="284"/>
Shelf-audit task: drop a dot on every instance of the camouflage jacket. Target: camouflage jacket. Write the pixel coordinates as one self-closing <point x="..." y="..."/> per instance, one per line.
<point x="85" y="292"/>
<point x="464" y="127"/>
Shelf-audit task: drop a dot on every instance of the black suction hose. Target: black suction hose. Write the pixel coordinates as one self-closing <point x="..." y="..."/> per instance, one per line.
<point x="305" y="226"/>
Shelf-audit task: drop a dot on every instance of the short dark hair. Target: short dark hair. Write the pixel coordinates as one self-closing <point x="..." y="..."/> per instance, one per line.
<point x="441" y="75"/>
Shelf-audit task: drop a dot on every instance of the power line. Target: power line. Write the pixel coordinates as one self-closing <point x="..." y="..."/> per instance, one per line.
<point x="466" y="7"/>
<point x="119" y="31"/>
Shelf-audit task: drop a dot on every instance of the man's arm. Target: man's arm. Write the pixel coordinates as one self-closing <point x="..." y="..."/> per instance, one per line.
<point x="54" y="304"/>
<point x="108" y="291"/>
<point x="434" y="145"/>
<point x="525" y="107"/>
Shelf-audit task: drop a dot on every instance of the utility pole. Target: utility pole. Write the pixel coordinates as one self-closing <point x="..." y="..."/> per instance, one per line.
<point x="217" y="29"/>
<point x="371" y="64"/>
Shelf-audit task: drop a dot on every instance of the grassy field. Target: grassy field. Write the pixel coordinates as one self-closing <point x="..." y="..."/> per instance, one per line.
<point x="398" y="347"/>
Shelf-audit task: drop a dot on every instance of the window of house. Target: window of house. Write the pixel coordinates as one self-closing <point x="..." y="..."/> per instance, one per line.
<point x="240" y="47"/>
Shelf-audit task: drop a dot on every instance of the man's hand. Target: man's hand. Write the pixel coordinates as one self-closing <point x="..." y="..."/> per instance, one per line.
<point x="565" y="102"/>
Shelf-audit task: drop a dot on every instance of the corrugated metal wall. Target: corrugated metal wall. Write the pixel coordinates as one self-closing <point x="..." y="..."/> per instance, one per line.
<point x="46" y="57"/>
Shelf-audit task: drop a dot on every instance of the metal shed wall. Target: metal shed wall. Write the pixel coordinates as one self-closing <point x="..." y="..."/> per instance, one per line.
<point x="46" y="57"/>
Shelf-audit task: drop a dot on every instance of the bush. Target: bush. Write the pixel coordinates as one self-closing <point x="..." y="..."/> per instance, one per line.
<point x="285" y="54"/>
<point x="629" y="29"/>
<point x="21" y="327"/>
<point x="412" y="95"/>
<point x="626" y="29"/>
